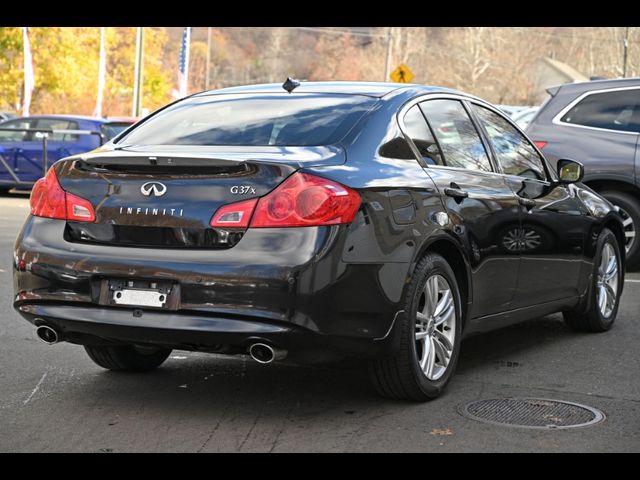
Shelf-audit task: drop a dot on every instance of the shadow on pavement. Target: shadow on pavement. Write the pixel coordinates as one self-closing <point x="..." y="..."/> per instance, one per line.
<point x="513" y="341"/>
<point x="202" y="382"/>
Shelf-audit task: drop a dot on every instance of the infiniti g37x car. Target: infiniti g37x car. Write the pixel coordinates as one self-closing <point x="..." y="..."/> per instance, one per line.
<point x="380" y="221"/>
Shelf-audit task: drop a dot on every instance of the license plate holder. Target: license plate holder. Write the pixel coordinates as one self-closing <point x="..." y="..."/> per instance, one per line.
<point x="139" y="293"/>
<point x="139" y="297"/>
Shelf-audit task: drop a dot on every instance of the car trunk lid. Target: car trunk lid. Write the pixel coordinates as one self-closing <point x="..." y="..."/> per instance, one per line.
<point x="167" y="197"/>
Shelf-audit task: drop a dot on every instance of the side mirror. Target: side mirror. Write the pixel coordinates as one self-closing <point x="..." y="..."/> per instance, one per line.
<point x="570" y="171"/>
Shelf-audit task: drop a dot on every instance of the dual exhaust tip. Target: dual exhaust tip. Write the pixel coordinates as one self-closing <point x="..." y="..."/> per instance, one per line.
<point x="48" y="335"/>
<point x="263" y="353"/>
<point x="260" y="352"/>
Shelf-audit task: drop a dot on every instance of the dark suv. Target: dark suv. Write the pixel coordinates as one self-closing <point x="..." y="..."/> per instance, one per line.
<point x="597" y="123"/>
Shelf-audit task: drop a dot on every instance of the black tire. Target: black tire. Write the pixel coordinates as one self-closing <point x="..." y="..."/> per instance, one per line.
<point x="590" y="318"/>
<point x="127" y="358"/>
<point x="400" y="376"/>
<point x="4" y="191"/>
<point x="631" y="206"/>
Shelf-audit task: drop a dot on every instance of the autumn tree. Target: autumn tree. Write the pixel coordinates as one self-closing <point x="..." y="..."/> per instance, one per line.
<point x="66" y="69"/>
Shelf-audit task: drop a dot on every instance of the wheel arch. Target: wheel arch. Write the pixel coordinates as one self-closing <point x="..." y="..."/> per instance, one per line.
<point x="455" y="256"/>
<point x="615" y="226"/>
<point x="606" y="184"/>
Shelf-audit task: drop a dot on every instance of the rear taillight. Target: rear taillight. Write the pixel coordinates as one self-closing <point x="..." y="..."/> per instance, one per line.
<point x="49" y="200"/>
<point x="540" y="144"/>
<point x="302" y="200"/>
<point x="235" y="215"/>
<point x="306" y="200"/>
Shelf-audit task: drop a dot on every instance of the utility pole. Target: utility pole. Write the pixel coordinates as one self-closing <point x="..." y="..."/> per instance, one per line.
<point x="387" y="63"/>
<point x="626" y="52"/>
<point x="137" y="86"/>
<point x="206" y="75"/>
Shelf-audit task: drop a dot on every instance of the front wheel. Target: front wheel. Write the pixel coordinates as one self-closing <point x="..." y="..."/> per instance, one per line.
<point x="127" y="358"/>
<point x="606" y="288"/>
<point x="430" y="331"/>
<point x="629" y="209"/>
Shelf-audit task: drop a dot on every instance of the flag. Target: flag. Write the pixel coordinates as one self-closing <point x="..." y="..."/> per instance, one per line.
<point x="29" y="79"/>
<point x="102" y="67"/>
<point x="183" y="70"/>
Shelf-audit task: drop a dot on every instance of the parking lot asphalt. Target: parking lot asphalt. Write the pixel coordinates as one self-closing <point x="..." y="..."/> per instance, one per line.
<point x="53" y="398"/>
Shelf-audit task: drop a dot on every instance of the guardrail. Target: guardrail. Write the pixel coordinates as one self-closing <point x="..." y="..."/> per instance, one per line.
<point x="44" y="134"/>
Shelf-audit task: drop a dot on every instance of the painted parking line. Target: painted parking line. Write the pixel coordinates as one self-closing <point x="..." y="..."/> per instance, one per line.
<point x="632" y="280"/>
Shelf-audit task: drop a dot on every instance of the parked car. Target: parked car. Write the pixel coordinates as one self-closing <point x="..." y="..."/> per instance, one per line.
<point x="23" y="150"/>
<point x="6" y="116"/>
<point x="524" y="116"/>
<point x="323" y="221"/>
<point x="597" y="123"/>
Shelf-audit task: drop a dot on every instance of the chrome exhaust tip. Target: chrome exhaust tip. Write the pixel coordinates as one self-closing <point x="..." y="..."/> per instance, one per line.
<point x="48" y="335"/>
<point x="263" y="353"/>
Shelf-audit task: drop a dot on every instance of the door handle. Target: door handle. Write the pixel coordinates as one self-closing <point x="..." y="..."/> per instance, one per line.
<point x="455" y="192"/>
<point x="526" y="202"/>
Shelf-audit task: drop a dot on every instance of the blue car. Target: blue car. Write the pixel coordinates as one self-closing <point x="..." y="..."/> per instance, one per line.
<point x="21" y="152"/>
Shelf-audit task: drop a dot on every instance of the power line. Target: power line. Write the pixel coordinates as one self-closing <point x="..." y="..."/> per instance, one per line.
<point x="526" y="31"/>
<point x="336" y="31"/>
<point x="571" y="36"/>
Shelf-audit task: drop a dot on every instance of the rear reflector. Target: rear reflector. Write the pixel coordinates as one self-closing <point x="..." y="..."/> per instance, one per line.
<point x="540" y="144"/>
<point x="49" y="200"/>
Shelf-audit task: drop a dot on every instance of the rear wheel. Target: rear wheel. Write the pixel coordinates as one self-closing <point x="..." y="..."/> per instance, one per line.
<point x="430" y="331"/>
<point x="605" y="291"/>
<point x="127" y="358"/>
<point x="630" y="211"/>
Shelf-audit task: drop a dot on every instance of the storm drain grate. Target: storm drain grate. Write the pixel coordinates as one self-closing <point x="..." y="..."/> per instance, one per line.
<point x="532" y="413"/>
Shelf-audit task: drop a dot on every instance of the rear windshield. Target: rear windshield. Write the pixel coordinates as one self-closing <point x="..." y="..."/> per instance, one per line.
<point x="253" y="120"/>
<point x="110" y="130"/>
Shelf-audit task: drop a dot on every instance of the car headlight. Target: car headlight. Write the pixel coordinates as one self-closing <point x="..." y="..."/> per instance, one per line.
<point x="596" y="205"/>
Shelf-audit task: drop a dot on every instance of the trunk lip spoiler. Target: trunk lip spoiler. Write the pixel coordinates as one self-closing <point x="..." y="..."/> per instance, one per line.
<point x="299" y="157"/>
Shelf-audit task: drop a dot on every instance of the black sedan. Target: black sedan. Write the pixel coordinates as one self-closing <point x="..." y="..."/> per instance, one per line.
<point x="315" y="221"/>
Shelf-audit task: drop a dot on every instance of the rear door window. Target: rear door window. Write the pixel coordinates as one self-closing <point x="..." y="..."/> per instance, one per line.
<point x="58" y="124"/>
<point x="110" y="130"/>
<point x="615" y="110"/>
<point x="458" y="138"/>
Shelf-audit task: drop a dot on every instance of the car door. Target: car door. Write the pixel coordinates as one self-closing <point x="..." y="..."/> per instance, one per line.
<point x="479" y="202"/>
<point x="552" y="236"/>
<point x="58" y="146"/>
<point x="12" y="147"/>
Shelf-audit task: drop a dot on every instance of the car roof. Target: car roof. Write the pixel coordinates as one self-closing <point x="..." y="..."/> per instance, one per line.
<point x="371" y="89"/>
<point x="580" y="87"/>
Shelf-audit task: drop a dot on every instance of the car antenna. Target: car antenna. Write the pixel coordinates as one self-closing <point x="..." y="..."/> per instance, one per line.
<point x="290" y="84"/>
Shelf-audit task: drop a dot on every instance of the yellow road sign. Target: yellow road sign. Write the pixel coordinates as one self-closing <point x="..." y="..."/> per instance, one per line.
<point x="402" y="74"/>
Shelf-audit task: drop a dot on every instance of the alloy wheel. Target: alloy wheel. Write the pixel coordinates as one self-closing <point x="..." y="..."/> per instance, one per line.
<point x="435" y="327"/>
<point x="629" y="229"/>
<point x="607" y="281"/>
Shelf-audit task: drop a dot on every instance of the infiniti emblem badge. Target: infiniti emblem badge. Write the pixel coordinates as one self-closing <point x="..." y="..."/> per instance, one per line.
<point x="155" y="189"/>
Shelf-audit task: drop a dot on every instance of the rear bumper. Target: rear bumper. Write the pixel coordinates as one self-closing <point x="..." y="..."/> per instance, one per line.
<point x="289" y="287"/>
<point x="184" y="331"/>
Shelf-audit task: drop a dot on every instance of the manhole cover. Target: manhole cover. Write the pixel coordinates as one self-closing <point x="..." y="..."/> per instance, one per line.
<point x="532" y="413"/>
